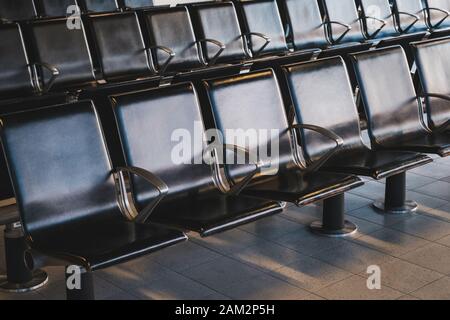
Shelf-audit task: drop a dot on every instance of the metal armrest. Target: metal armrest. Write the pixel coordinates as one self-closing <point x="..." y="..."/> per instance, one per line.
<point x="55" y="73"/>
<point x="162" y="188"/>
<point x="218" y="44"/>
<point x="347" y="26"/>
<point x="446" y="125"/>
<point x="168" y="51"/>
<point x="383" y="24"/>
<point x="236" y="188"/>
<point x="416" y="18"/>
<point x="326" y="133"/>
<point x="259" y="35"/>
<point x="443" y="19"/>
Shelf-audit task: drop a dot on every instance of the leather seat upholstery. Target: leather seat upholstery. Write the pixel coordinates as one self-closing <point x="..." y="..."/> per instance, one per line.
<point x="172" y="28"/>
<point x="100" y="5"/>
<point x="65" y="50"/>
<point x="252" y="102"/>
<point x="391" y="105"/>
<point x="121" y="47"/>
<point x="404" y="9"/>
<point x="136" y="4"/>
<point x="15" y="73"/>
<point x="438" y="14"/>
<point x="66" y="192"/>
<point x="57" y="8"/>
<point x="219" y="21"/>
<point x="149" y="124"/>
<point x="16" y="10"/>
<point x="314" y="103"/>
<point x="433" y="66"/>
<point x="381" y="10"/>
<point x="263" y="18"/>
<point x="343" y="12"/>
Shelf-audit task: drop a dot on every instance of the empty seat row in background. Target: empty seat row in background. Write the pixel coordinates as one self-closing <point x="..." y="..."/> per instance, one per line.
<point x="192" y="197"/>
<point x="118" y="53"/>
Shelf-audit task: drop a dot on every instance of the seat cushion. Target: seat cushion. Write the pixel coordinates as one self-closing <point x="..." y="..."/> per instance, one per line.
<point x="376" y="164"/>
<point x="105" y="242"/>
<point x="212" y="212"/>
<point x="436" y="143"/>
<point x="297" y="187"/>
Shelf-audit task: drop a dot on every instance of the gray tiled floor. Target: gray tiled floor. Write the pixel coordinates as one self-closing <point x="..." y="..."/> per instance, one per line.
<point x="279" y="258"/>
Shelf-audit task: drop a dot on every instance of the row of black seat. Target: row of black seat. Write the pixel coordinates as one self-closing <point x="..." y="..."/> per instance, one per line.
<point x="67" y="188"/>
<point x="42" y="55"/>
<point x="18" y="10"/>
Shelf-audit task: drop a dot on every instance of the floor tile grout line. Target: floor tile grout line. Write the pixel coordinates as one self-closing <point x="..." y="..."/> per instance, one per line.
<point x="412" y="292"/>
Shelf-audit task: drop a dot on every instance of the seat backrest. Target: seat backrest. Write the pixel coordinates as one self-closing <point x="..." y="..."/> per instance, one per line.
<point x="57" y="8"/>
<point x="15" y="73"/>
<point x="121" y="47"/>
<point x="322" y="95"/>
<point x="262" y="16"/>
<point x="153" y="125"/>
<point x="101" y="5"/>
<point x="16" y="10"/>
<point x="306" y="22"/>
<point x="380" y="9"/>
<point x="343" y="11"/>
<point x="135" y="4"/>
<point x="414" y="7"/>
<point x="63" y="48"/>
<point x="219" y="21"/>
<point x="433" y="65"/>
<point x="172" y="28"/>
<point x="434" y="16"/>
<point x="59" y="166"/>
<point x="248" y="106"/>
<point x="388" y="94"/>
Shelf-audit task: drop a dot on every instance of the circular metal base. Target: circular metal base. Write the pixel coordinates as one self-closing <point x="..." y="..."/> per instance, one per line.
<point x="40" y="278"/>
<point x="408" y="207"/>
<point x="349" y="229"/>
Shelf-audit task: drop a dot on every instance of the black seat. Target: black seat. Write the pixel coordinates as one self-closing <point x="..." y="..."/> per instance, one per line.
<point x="433" y="65"/>
<point x="16" y="10"/>
<point x="219" y="22"/>
<point x="314" y="103"/>
<point x="172" y="39"/>
<point x="100" y="5"/>
<point x="136" y="4"/>
<point x="342" y="20"/>
<point x="15" y="71"/>
<point x="148" y="121"/>
<point x="61" y="54"/>
<point x="438" y="14"/>
<point x="378" y="20"/>
<point x="395" y="120"/>
<point x="121" y="48"/>
<point x="263" y="27"/>
<point x="67" y="193"/>
<point x="57" y="8"/>
<point x="410" y="16"/>
<point x="253" y="105"/>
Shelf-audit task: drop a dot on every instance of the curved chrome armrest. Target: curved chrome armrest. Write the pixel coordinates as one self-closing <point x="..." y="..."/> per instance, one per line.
<point x="416" y="18"/>
<point x="171" y="54"/>
<point x="445" y="12"/>
<point x="383" y="24"/>
<point x="162" y="188"/>
<point x="324" y="132"/>
<point x="259" y="35"/>
<point x="54" y="71"/>
<point x="219" y="44"/>
<point x="347" y="26"/>
<point x="446" y="125"/>
<point x="236" y="188"/>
